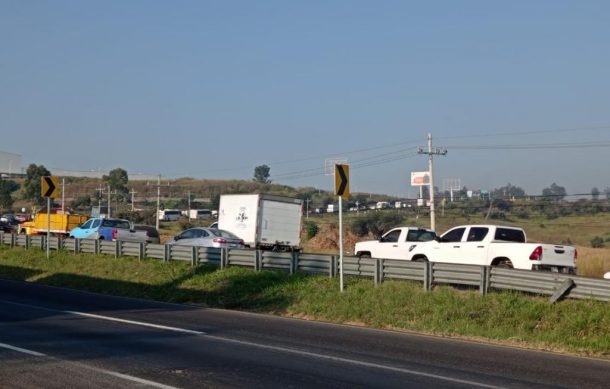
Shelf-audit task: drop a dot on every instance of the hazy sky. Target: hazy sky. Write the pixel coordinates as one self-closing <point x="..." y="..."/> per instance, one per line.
<point x="211" y="89"/>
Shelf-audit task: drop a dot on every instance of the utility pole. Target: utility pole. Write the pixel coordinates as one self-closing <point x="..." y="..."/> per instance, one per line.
<point x="189" y="205"/>
<point x="430" y="153"/>
<point x="133" y="192"/>
<point x="158" y="201"/>
<point x="108" y="201"/>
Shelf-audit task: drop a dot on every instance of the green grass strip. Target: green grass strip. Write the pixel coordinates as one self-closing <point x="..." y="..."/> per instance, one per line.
<point x="575" y="326"/>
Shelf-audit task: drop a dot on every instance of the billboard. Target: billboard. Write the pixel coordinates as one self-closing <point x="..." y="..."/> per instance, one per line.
<point x="420" y="178"/>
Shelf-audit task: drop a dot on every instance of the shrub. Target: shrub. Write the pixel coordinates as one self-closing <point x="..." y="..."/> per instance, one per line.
<point x="311" y="229"/>
<point x="597" y="242"/>
<point x="375" y="223"/>
<point x="359" y="227"/>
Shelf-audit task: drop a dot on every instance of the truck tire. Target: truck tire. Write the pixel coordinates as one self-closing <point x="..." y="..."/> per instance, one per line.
<point x="364" y="255"/>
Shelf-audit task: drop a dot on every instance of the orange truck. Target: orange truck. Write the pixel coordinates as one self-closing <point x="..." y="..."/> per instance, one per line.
<point x="61" y="222"/>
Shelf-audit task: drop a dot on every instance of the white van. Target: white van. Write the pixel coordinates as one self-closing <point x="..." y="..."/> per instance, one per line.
<point x="200" y="214"/>
<point x="169" y="215"/>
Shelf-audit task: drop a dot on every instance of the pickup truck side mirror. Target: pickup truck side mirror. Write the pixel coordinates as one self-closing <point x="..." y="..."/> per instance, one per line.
<point x="438" y="239"/>
<point x="177" y="237"/>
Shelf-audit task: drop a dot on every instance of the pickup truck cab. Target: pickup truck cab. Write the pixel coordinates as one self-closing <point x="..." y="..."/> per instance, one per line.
<point x="491" y="245"/>
<point x="108" y="229"/>
<point x="394" y="244"/>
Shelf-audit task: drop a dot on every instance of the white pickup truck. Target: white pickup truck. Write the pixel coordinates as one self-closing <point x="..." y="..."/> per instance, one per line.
<point x="492" y="245"/>
<point x="394" y="244"/>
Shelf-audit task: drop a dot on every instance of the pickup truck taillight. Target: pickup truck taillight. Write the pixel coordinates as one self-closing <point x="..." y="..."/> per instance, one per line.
<point x="114" y="234"/>
<point x="536" y="255"/>
<point x="575" y="256"/>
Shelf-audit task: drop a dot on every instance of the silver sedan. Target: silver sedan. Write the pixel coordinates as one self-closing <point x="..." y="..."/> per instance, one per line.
<point x="207" y="237"/>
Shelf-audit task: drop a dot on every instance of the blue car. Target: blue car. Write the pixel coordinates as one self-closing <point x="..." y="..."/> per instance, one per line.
<point x="99" y="228"/>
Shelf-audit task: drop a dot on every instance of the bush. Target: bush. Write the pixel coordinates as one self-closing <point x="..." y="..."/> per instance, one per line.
<point x="311" y="229"/>
<point x="359" y="227"/>
<point x="375" y="223"/>
<point x="185" y="223"/>
<point x="597" y="242"/>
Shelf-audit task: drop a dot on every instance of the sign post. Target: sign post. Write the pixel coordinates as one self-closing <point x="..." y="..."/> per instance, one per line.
<point x="342" y="191"/>
<point x="48" y="189"/>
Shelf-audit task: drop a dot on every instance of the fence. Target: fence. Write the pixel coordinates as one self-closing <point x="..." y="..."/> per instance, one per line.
<point x="429" y="274"/>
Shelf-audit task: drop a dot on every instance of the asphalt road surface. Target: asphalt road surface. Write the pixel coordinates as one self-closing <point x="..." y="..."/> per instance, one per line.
<point x="57" y="338"/>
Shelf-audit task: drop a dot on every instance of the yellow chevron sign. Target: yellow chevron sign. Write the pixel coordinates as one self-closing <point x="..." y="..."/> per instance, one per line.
<point x="342" y="180"/>
<point x="49" y="187"/>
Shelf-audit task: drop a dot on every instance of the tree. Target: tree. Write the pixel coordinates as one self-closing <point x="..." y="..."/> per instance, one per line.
<point x="261" y="174"/>
<point x="7" y="187"/>
<point x="32" y="185"/>
<point x="117" y="179"/>
<point x="554" y="192"/>
<point x="82" y="202"/>
<point x="508" y="191"/>
<point x="595" y="193"/>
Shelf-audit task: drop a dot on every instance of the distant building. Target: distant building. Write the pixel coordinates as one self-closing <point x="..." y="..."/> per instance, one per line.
<point x="10" y="163"/>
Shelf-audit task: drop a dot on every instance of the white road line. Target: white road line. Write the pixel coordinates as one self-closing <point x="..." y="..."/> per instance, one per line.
<point x="22" y="350"/>
<point x="138" y="323"/>
<point x="96" y="369"/>
<point x="355" y="362"/>
<point x="127" y="377"/>
<point x="268" y="347"/>
<point x="109" y="318"/>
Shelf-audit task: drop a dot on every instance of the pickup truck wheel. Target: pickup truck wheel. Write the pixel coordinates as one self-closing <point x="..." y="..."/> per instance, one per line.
<point x="504" y="264"/>
<point x="420" y="259"/>
<point x="366" y="255"/>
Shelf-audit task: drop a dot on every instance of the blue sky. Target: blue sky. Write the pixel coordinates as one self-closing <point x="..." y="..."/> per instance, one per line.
<point x="213" y="89"/>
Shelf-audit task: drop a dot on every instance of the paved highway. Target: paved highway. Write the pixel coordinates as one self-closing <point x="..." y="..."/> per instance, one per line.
<point x="56" y="338"/>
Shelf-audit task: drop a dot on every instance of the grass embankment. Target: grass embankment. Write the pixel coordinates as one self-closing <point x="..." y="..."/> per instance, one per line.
<point x="514" y="318"/>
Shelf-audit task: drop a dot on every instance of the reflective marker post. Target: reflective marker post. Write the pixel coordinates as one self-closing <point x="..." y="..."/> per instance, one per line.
<point x="341" y="243"/>
<point x="341" y="190"/>
<point x="48" y="189"/>
<point x="48" y="224"/>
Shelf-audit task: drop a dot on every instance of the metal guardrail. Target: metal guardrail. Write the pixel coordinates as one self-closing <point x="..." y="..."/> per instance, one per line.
<point x="484" y="277"/>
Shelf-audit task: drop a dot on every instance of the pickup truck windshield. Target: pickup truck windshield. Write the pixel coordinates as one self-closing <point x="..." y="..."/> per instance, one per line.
<point x="510" y="235"/>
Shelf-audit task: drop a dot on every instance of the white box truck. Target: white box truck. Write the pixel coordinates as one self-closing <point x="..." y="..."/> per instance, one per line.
<point x="263" y="221"/>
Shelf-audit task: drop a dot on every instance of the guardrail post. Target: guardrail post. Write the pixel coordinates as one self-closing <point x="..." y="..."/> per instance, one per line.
<point x="13" y="240"/>
<point x="427" y="276"/>
<point x="376" y="271"/>
<point x="96" y="246"/>
<point x="195" y="256"/>
<point x="166" y="253"/>
<point x="117" y="249"/>
<point x="293" y="261"/>
<point x="44" y="241"/>
<point x="28" y="241"/>
<point x="257" y="260"/>
<point x="484" y="281"/>
<point x="333" y="267"/>
<point x="60" y="243"/>
<point x="223" y="255"/>
<point x="76" y="246"/>
<point x="141" y="251"/>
